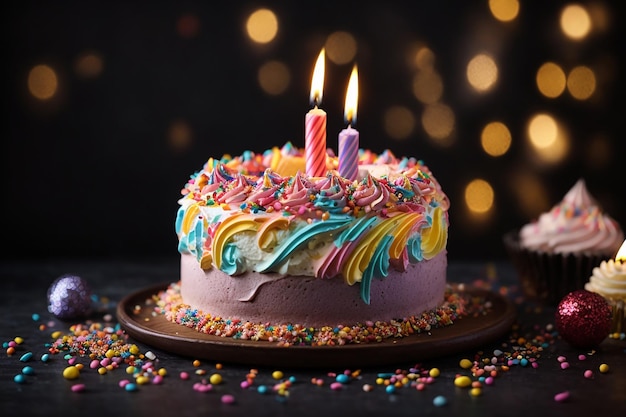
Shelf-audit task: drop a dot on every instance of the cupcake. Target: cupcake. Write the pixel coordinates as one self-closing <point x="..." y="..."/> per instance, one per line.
<point x="556" y="253"/>
<point x="609" y="280"/>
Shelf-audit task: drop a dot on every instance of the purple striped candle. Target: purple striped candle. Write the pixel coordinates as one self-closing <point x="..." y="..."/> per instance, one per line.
<point x="349" y="153"/>
<point x="349" y="137"/>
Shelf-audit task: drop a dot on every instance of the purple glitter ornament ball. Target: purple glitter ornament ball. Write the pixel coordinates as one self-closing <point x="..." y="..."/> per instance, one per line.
<point x="69" y="297"/>
<point x="583" y="319"/>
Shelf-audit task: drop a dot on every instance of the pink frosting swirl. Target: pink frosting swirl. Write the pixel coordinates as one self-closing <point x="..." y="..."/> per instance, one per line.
<point x="332" y="190"/>
<point x="575" y="225"/>
<point x="266" y="190"/>
<point x="237" y="191"/>
<point x="296" y="195"/>
<point x="264" y="196"/>
<point x="372" y="194"/>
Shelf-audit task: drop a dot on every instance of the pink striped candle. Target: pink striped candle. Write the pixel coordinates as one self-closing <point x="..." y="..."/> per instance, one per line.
<point x="349" y="137"/>
<point x="315" y="125"/>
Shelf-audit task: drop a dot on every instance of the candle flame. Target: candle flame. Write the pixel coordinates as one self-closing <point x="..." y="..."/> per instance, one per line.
<point x="317" y="83"/>
<point x="352" y="97"/>
<point x="621" y="253"/>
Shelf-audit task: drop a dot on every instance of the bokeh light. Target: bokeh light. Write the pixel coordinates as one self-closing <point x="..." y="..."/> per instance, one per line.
<point x="42" y="82"/>
<point x="548" y="139"/>
<point x="274" y="77"/>
<point x="575" y="21"/>
<point x="504" y="10"/>
<point x="550" y="80"/>
<point x="495" y="139"/>
<point x="422" y="57"/>
<point x="341" y="47"/>
<point x="398" y="122"/>
<point x="179" y="135"/>
<point x="581" y="82"/>
<point x="438" y="120"/>
<point x="427" y="86"/>
<point x="600" y="16"/>
<point x="542" y="131"/>
<point x="479" y="196"/>
<point x="529" y="190"/>
<point x="89" y="65"/>
<point x="262" y="26"/>
<point x="482" y="72"/>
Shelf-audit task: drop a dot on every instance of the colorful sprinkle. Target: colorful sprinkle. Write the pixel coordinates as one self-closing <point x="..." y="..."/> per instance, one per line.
<point x="476" y="392"/>
<point x="228" y="399"/>
<point x="343" y="378"/>
<point x="78" y="388"/>
<point x="169" y="303"/>
<point x="462" y="381"/>
<point x="71" y="372"/>
<point x="465" y="363"/>
<point x="28" y="370"/>
<point x="439" y="401"/>
<point x="562" y="396"/>
<point x="130" y="387"/>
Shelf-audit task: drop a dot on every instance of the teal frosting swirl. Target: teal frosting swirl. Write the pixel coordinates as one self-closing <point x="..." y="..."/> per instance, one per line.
<point x="329" y="203"/>
<point x="414" y="248"/>
<point x="231" y="260"/>
<point x="300" y="238"/>
<point x="377" y="268"/>
<point x="356" y="229"/>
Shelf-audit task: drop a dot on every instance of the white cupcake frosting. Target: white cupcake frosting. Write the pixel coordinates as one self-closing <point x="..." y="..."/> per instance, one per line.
<point x="609" y="280"/>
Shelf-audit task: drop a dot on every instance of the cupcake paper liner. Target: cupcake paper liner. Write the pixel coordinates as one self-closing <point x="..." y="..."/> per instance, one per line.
<point x="548" y="277"/>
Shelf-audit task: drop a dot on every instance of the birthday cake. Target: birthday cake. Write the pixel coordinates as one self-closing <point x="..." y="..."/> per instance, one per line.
<point x="262" y="242"/>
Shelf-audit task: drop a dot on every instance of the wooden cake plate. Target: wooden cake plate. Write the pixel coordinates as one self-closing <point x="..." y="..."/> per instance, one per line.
<point x="136" y="315"/>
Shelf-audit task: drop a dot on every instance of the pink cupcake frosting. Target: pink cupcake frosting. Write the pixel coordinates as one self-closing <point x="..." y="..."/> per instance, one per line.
<point x="575" y="225"/>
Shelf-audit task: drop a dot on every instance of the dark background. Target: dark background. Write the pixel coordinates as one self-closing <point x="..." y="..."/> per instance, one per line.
<point x="94" y="172"/>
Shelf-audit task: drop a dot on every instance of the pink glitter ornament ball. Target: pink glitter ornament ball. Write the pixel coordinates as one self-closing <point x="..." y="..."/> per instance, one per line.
<point x="69" y="297"/>
<point x="583" y="319"/>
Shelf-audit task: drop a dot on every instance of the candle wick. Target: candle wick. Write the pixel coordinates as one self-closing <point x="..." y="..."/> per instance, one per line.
<point x="316" y="100"/>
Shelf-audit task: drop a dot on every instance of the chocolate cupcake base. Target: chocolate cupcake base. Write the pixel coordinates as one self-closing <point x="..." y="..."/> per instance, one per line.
<point x="548" y="277"/>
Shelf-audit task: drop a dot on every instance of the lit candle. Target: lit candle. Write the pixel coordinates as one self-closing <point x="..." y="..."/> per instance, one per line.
<point x="349" y="137"/>
<point x="315" y="125"/>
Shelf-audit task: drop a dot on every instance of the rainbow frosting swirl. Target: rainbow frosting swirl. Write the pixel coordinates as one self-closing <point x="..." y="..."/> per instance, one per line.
<point x="258" y="212"/>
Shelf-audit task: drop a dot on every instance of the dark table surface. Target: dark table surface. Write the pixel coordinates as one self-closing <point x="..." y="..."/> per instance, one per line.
<point x="521" y="390"/>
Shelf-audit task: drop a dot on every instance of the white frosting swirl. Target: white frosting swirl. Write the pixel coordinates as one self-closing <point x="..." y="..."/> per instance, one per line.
<point x="609" y="280"/>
